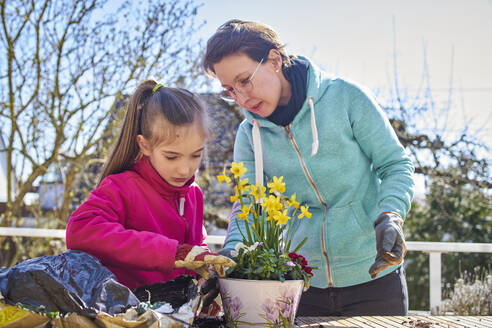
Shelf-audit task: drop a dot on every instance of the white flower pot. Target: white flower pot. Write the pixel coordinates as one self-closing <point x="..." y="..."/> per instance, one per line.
<point x="260" y="303"/>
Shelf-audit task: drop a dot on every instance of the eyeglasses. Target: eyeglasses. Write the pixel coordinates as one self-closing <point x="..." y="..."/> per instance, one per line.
<point x="241" y="86"/>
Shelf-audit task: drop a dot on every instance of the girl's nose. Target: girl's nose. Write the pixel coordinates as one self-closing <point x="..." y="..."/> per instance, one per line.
<point x="184" y="169"/>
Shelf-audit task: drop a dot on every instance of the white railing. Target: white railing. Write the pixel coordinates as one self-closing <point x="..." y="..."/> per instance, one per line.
<point x="433" y="248"/>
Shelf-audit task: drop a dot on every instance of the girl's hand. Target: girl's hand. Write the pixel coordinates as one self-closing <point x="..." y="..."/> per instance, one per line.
<point x="197" y="259"/>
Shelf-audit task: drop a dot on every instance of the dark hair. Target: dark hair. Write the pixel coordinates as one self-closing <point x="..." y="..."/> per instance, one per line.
<point x="156" y="116"/>
<point x="251" y="38"/>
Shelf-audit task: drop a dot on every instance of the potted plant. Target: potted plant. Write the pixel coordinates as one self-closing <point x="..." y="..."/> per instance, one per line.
<point x="265" y="286"/>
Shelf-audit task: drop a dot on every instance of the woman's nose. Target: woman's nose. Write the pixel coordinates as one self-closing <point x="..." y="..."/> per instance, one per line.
<point x="242" y="97"/>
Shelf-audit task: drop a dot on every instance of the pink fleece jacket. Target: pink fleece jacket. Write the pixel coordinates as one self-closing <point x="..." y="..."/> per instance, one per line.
<point x="133" y="223"/>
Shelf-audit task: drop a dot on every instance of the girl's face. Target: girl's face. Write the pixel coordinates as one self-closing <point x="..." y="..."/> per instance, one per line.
<point x="176" y="162"/>
<point x="269" y="86"/>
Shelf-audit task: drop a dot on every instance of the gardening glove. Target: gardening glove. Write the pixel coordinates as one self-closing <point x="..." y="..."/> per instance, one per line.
<point x="226" y="252"/>
<point x="197" y="259"/>
<point x="390" y="242"/>
<point x="210" y="289"/>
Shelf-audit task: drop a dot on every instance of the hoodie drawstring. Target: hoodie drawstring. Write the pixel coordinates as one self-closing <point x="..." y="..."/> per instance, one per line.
<point x="258" y="153"/>
<point x="257" y="148"/>
<point x="314" y="130"/>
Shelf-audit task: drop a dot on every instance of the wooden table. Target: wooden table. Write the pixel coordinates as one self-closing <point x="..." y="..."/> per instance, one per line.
<point x="414" y="321"/>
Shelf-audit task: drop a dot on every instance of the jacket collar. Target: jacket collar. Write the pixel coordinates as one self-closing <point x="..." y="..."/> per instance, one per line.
<point x="144" y="168"/>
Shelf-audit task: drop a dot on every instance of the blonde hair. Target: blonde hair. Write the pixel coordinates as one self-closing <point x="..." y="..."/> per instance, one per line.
<point x="155" y="112"/>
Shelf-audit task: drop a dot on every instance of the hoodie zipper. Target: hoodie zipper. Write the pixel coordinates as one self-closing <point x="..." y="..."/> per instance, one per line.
<point x="316" y="191"/>
<point x="180" y="208"/>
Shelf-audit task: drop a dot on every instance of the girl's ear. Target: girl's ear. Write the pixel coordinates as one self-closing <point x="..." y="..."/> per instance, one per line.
<point x="143" y="144"/>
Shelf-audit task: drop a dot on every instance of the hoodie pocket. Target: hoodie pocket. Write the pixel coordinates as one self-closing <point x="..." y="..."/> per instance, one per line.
<point x="350" y="234"/>
<point x="365" y="223"/>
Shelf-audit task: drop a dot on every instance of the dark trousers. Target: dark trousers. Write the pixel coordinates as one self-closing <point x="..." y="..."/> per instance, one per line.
<point x="387" y="295"/>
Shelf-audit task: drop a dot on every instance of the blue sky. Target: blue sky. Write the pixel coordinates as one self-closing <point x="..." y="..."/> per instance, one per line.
<point x="357" y="39"/>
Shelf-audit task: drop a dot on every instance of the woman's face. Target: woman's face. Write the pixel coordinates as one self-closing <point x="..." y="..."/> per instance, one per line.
<point x="269" y="87"/>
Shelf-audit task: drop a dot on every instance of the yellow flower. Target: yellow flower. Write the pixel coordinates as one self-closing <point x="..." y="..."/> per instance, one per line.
<point x="304" y="212"/>
<point x="292" y="201"/>
<point x="278" y="203"/>
<point x="281" y="217"/>
<point x="258" y="191"/>
<point x="271" y="215"/>
<point x="244" y="213"/>
<point x="236" y="195"/>
<point x="277" y="185"/>
<point x="243" y="185"/>
<point x="238" y="169"/>
<point x="270" y="203"/>
<point x="223" y="177"/>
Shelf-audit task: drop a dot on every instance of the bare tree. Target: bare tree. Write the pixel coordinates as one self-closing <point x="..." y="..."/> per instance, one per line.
<point x="422" y="123"/>
<point x="456" y="166"/>
<point x="64" y="65"/>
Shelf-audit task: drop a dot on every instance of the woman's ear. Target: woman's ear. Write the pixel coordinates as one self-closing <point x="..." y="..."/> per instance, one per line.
<point x="276" y="59"/>
<point x="143" y="144"/>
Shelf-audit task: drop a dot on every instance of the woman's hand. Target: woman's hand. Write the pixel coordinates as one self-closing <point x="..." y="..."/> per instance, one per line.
<point x="390" y="242"/>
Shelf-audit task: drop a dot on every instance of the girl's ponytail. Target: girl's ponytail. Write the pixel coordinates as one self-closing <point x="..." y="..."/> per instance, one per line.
<point x="126" y="148"/>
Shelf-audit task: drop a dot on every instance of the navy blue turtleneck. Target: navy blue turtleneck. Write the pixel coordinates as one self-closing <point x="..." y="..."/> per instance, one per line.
<point x="296" y="74"/>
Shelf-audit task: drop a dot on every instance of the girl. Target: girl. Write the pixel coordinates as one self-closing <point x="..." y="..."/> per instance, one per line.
<point x="144" y="221"/>
<point x="337" y="152"/>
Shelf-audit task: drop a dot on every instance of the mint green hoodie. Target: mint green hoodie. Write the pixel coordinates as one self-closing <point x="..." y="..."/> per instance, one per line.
<point x="341" y="157"/>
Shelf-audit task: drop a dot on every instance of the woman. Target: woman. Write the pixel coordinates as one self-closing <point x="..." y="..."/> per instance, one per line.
<point x="337" y="152"/>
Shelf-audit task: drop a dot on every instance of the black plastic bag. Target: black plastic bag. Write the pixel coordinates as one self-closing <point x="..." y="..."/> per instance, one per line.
<point x="175" y="292"/>
<point x="73" y="281"/>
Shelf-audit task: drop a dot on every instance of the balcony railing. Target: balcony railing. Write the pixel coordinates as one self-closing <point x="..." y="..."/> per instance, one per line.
<point x="435" y="249"/>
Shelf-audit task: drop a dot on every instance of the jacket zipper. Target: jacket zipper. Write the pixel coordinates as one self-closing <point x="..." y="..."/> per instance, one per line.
<point x="316" y="191"/>
<point x="180" y="209"/>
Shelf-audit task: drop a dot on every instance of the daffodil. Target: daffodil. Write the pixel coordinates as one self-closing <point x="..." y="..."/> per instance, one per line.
<point x="258" y="191"/>
<point x="304" y="212"/>
<point x="270" y="203"/>
<point x="292" y="201"/>
<point x="276" y="185"/>
<point x="281" y="217"/>
<point x="244" y="213"/>
<point x="272" y="214"/>
<point x="238" y="169"/>
<point x="277" y="205"/>
<point x="243" y="185"/>
<point x="265" y="215"/>
<point x="265" y="227"/>
<point x="236" y="195"/>
<point x="223" y="177"/>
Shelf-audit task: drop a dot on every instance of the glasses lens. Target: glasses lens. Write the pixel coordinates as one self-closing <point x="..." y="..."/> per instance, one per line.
<point x="247" y="87"/>
<point x="227" y="96"/>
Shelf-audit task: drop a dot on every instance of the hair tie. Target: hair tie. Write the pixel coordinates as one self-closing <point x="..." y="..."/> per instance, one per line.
<point x="157" y="86"/>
